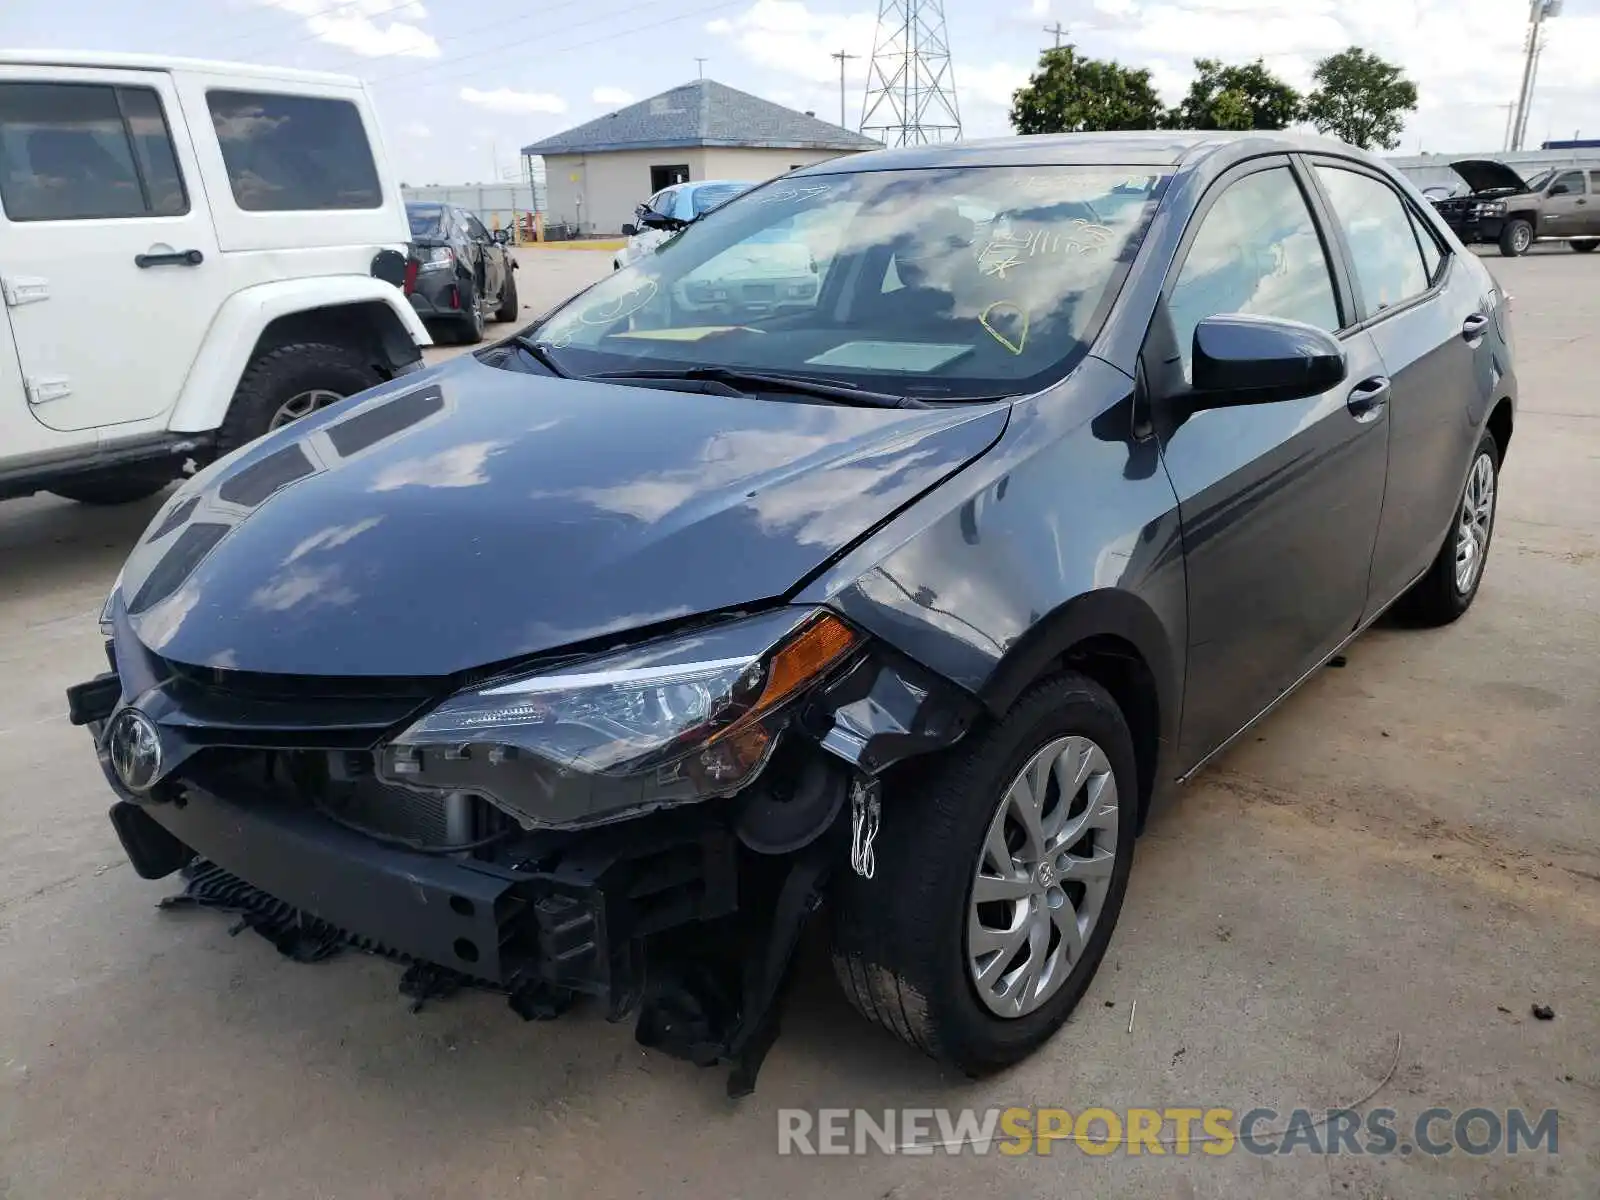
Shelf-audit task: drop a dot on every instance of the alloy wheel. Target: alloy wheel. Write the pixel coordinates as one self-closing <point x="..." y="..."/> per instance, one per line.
<point x="302" y="404"/>
<point x="1522" y="238"/>
<point x="1043" y="876"/>
<point x="1475" y="523"/>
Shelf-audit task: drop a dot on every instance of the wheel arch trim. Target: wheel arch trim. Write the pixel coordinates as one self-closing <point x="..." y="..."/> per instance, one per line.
<point x="235" y="330"/>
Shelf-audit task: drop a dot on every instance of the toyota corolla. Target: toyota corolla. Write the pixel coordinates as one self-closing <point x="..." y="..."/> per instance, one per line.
<point x="595" y="663"/>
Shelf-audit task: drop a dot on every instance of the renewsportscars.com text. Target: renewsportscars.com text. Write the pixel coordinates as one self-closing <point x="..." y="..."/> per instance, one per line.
<point x="1213" y="1131"/>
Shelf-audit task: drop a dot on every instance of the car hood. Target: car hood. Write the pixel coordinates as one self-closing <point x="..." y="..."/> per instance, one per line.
<point x="469" y="514"/>
<point x="1486" y="175"/>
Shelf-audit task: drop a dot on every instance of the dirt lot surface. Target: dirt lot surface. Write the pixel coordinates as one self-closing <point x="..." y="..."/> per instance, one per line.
<point x="1407" y="853"/>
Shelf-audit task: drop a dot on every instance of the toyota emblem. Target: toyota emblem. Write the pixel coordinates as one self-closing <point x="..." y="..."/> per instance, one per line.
<point x="1047" y="874"/>
<point x="135" y="749"/>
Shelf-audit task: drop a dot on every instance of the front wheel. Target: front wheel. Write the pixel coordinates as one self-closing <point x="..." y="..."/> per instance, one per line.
<point x="1451" y="584"/>
<point x="1000" y="874"/>
<point x="1516" y="238"/>
<point x="1584" y="245"/>
<point x="470" y="326"/>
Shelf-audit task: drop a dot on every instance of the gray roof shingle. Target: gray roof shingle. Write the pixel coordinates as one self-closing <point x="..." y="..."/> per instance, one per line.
<point x="702" y="113"/>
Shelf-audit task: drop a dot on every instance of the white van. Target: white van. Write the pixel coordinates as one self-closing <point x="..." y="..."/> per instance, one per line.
<point x="191" y="253"/>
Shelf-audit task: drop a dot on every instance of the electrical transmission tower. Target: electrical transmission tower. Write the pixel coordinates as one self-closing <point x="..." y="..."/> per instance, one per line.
<point x="911" y="84"/>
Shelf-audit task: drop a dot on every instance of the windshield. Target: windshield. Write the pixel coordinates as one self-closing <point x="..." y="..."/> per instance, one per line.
<point x="712" y="195"/>
<point x="943" y="283"/>
<point x="425" y="218"/>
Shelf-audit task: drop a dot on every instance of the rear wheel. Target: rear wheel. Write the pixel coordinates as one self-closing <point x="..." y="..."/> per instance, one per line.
<point x="508" y="309"/>
<point x="1584" y="245"/>
<point x="1451" y="584"/>
<point x="470" y="325"/>
<point x="999" y="878"/>
<point x="1516" y="237"/>
<point x="291" y="382"/>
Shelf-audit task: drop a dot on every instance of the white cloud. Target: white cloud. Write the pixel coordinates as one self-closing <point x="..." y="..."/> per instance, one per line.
<point x="612" y="96"/>
<point x="416" y="129"/>
<point x="370" y="28"/>
<point x="786" y="36"/>
<point x="508" y="100"/>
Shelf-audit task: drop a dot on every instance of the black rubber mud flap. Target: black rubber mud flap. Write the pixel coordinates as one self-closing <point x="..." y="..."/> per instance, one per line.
<point x="154" y="852"/>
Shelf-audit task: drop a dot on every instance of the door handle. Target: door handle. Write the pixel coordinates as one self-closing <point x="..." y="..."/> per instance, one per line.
<point x="170" y="258"/>
<point x="1368" y="398"/>
<point x="1474" y="326"/>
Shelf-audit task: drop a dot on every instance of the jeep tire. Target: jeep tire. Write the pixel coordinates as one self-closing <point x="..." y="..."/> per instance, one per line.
<point x="309" y="375"/>
<point x="904" y="941"/>
<point x="1516" y="238"/>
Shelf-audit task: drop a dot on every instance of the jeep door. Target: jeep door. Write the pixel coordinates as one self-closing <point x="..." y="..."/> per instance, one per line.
<point x="1279" y="502"/>
<point x="106" y="244"/>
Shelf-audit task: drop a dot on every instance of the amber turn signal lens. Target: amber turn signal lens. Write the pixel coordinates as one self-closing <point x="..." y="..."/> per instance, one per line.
<point x="821" y="644"/>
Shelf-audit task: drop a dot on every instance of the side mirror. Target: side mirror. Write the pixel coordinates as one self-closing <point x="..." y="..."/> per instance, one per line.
<point x="630" y="230"/>
<point x="1559" y="189"/>
<point x="651" y="219"/>
<point x="502" y="236"/>
<point x="1242" y="359"/>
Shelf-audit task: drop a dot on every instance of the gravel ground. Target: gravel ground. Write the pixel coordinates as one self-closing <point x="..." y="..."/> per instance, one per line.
<point x="1407" y="853"/>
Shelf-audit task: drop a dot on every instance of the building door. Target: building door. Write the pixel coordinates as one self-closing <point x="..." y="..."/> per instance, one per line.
<point x="665" y="177"/>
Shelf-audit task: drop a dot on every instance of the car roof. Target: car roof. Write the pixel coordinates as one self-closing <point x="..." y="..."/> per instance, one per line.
<point x="1155" y="147"/>
<point x="167" y="62"/>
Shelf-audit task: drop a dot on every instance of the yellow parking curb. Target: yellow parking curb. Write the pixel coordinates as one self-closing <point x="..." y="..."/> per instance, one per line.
<point x="592" y="244"/>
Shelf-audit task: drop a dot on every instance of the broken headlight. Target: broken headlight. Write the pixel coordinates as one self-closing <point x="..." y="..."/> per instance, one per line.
<point x="668" y="722"/>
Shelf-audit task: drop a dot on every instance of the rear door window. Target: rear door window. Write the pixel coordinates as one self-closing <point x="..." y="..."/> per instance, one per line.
<point x="75" y="152"/>
<point x="1383" y="244"/>
<point x="294" y="153"/>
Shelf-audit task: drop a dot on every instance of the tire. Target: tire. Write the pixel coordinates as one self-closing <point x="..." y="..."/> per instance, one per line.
<point x="900" y="939"/>
<point x="280" y="378"/>
<point x="1516" y="238"/>
<point x="470" y="325"/>
<point x="1584" y="245"/>
<point x="1439" y="598"/>
<point x="509" y="308"/>
<point x="114" y="489"/>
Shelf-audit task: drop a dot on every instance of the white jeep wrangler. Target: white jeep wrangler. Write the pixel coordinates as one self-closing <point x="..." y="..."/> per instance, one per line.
<point x="191" y="253"/>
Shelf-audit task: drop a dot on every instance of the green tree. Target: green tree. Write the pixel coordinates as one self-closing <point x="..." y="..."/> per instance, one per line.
<point x="1361" y="99"/>
<point x="1235" y="97"/>
<point x="1069" y="94"/>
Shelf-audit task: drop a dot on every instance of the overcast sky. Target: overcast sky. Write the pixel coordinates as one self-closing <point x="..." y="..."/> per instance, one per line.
<point x="462" y="83"/>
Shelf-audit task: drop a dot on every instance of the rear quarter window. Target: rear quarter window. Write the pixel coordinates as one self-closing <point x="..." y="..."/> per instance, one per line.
<point x="294" y="153"/>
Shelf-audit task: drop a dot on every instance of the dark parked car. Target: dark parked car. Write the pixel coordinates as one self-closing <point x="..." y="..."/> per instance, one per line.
<point x="458" y="272"/>
<point x="592" y="663"/>
<point x="1502" y="208"/>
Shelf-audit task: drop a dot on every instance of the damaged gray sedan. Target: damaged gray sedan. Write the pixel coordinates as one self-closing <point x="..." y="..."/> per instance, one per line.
<point x="598" y="662"/>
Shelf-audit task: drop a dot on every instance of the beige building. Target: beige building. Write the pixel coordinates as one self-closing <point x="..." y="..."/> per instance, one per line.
<point x="597" y="174"/>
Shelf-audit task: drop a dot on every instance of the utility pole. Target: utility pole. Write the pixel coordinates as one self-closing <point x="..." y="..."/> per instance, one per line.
<point x="842" y="57"/>
<point x="911" y="84"/>
<point x="701" y="63"/>
<point x="1510" y="110"/>
<point x="1538" y="11"/>
<point x="1058" y="31"/>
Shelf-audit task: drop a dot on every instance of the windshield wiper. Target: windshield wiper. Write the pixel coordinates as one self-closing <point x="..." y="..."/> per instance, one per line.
<point x="540" y="353"/>
<point x="765" y="381"/>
